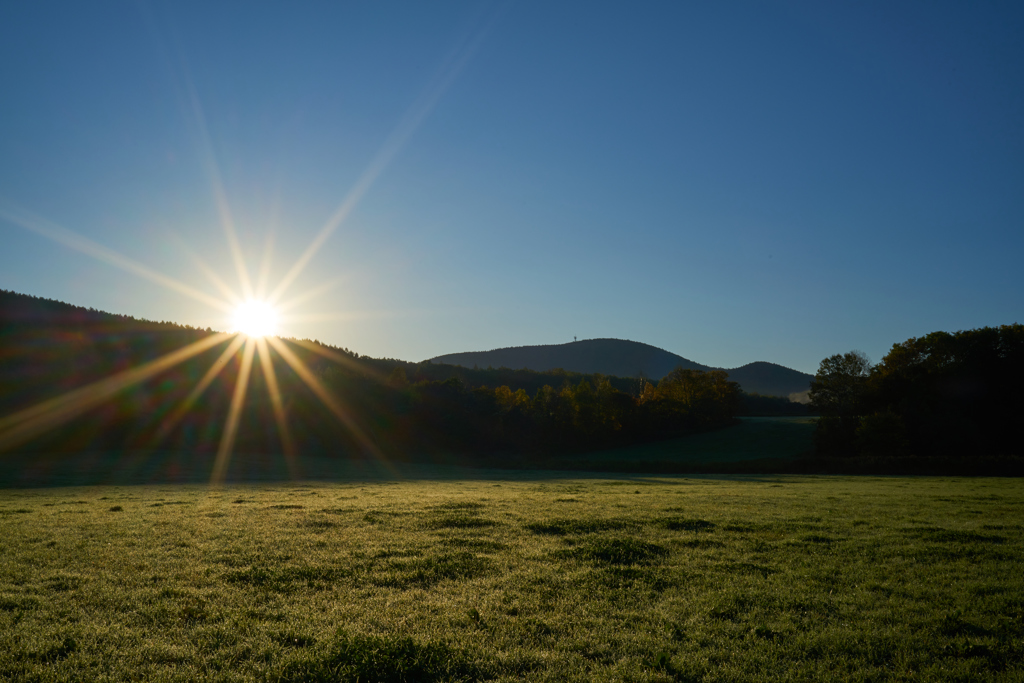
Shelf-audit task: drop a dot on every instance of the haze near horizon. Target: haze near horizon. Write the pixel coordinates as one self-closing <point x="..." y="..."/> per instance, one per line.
<point x="730" y="183"/>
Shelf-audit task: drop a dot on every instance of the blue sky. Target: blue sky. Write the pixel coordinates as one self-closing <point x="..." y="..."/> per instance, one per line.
<point x="729" y="181"/>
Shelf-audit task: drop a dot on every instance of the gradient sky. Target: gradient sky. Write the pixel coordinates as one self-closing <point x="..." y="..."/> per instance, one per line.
<point x="729" y="181"/>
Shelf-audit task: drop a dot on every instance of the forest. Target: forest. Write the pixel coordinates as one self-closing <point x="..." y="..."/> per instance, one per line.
<point x="364" y="406"/>
<point x="941" y="395"/>
<point x="944" y="395"/>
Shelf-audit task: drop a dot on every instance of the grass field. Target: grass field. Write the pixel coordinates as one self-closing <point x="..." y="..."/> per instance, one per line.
<point x="523" y="576"/>
<point x="771" y="440"/>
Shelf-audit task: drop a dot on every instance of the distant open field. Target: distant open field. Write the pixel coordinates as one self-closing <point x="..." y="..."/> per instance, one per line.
<point x="521" y="576"/>
<point x="752" y="438"/>
<point x="771" y="440"/>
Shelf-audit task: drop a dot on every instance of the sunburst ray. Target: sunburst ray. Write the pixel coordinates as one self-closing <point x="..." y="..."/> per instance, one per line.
<point x="26" y="424"/>
<point x="264" y="272"/>
<point x="311" y="293"/>
<point x="227" y="440"/>
<point x="277" y="404"/>
<point x="168" y="425"/>
<point x="227" y="221"/>
<point x="405" y="129"/>
<point x="62" y="235"/>
<point x="210" y="274"/>
<point x="338" y="358"/>
<point x="326" y="397"/>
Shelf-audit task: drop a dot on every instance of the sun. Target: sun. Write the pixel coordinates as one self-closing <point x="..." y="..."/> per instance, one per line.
<point x="254" y="318"/>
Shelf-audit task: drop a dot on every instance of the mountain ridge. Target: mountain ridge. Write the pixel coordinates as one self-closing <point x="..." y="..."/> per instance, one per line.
<point x="626" y="358"/>
<point x="612" y="357"/>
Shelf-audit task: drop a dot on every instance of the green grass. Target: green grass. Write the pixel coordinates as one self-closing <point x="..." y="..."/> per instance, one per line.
<point x="567" y="579"/>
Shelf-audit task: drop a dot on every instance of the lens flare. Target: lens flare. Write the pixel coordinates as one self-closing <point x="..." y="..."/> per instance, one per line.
<point x="255" y="319"/>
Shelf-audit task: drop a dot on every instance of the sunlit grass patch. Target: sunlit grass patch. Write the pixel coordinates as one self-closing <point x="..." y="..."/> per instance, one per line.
<point x="318" y="523"/>
<point x="698" y="579"/>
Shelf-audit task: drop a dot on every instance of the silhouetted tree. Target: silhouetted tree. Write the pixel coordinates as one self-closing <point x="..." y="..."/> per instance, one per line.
<point x="837" y="390"/>
<point x="837" y="394"/>
<point x="944" y="394"/>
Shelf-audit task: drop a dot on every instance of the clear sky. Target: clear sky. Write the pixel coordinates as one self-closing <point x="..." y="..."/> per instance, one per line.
<point x="729" y="181"/>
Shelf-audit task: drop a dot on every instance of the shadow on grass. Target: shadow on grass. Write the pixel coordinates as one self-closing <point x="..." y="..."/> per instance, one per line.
<point x="380" y="659"/>
<point x="616" y="551"/>
<point x="424" y="572"/>
<point x="726" y="450"/>
<point x="286" y="579"/>
<point x="130" y="468"/>
<point x="566" y="527"/>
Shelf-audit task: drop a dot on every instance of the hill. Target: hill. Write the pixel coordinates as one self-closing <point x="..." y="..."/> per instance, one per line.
<point x="616" y="357"/>
<point x="79" y="380"/>
<point x="771" y="379"/>
<point x="50" y="347"/>
<point x="20" y="311"/>
<point x="624" y="358"/>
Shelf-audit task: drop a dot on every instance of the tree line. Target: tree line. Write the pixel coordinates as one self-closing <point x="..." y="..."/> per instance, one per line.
<point x="405" y="415"/>
<point x="392" y="415"/>
<point x="389" y="406"/>
<point x="941" y="395"/>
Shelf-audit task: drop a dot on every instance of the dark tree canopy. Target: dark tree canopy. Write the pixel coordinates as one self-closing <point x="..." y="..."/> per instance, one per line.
<point x="944" y="394"/>
<point x="838" y="387"/>
<point x="837" y="393"/>
<point x="954" y="392"/>
<point x="383" y="406"/>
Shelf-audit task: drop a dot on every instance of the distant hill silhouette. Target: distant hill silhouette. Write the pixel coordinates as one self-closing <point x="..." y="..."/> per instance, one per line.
<point x="19" y="310"/>
<point x="624" y="358"/>
<point x="771" y="379"/>
<point x="78" y="380"/>
<point x="48" y="347"/>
